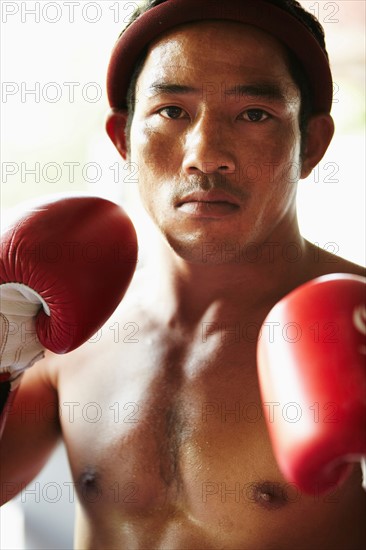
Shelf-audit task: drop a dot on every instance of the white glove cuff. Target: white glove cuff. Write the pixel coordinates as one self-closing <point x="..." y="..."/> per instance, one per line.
<point x="19" y="344"/>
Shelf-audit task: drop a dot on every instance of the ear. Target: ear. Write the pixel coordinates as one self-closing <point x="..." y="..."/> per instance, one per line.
<point x="318" y="137"/>
<point x="115" y="126"/>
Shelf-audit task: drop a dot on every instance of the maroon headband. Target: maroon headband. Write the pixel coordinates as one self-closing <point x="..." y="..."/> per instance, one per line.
<point x="259" y="13"/>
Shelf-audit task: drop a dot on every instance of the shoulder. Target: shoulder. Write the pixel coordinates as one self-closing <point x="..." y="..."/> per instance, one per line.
<point x="322" y="262"/>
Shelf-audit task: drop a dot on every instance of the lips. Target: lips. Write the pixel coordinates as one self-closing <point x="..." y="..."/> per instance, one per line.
<point x="211" y="196"/>
<point x="208" y="204"/>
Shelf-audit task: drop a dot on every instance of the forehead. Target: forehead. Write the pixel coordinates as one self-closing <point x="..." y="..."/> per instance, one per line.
<point x="216" y="49"/>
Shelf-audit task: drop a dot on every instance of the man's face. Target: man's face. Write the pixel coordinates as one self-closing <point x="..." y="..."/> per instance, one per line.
<point x="217" y="117"/>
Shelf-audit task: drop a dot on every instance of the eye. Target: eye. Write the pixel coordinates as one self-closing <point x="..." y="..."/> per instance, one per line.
<point x="255" y="115"/>
<point x="173" y="113"/>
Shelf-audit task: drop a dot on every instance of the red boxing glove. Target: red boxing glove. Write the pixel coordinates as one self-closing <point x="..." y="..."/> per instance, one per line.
<point x="311" y="367"/>
<point x="64" y="268"/>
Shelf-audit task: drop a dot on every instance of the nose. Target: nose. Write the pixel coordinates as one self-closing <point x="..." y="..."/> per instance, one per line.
<point x="208" y="148"/>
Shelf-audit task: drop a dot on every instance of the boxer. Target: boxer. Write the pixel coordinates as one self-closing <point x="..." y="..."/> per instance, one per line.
<point x="161" y="414"/>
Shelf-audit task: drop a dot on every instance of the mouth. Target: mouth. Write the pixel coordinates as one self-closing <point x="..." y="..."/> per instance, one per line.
<point x="208" y="204"/>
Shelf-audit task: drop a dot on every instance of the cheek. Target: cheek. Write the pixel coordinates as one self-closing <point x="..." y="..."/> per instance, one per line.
<point x="278" y="159"/>
<point x="159" y="163"/>
<point x="289" y="169"/>
<point x="142" y="138"/>
<point x="144" y="153"/>
<point x="151" y="147"/>
<point x="149" y="154"/>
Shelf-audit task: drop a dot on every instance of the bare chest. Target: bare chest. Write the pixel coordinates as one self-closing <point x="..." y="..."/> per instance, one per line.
<point x="168" y="440"/>
<point x="149" y="421"/>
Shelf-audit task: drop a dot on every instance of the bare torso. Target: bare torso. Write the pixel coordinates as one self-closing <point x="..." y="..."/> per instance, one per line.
<point x="168" y="446"/>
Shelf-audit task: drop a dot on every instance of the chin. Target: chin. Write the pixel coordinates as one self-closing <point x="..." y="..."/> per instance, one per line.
<point x="205" y="250"/>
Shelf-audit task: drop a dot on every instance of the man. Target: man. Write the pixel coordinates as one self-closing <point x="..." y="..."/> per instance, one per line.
<point x="221" y="127"/>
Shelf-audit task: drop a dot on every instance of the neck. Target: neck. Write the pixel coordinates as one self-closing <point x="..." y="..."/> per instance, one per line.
<point x="251" y="278"/>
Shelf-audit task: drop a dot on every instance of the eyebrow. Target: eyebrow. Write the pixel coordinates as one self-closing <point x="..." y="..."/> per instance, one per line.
<point x="268" y="91"/>
<point x="161" y="88"/>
